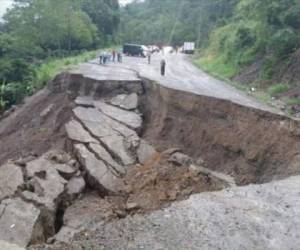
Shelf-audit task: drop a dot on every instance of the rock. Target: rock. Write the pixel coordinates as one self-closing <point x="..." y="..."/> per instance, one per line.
<point x="180" y="159"/>
<point x="88" y="210"/>
<point x="23" y="161"/>
<point x="130" y="119"/>
<point x="75" y="186"/>
<point x="171" y="151"/>
<point x="9" y="246"/>
<point x="58" y="156"/>
<point x="46" y="111"/>
<point x="145" y="152"/>
<point x="76" y="132"/>
<point x="52" y="185"/>
<point x="101" y="125"/>
<point x="128" y="102"/>
<point x="102" y="153"/>
<point x="224" y="179"/>
<point x="99" y="175"/>
<point x="20" y="223"/>
<point x="65" y="234"/>
<point x="112" y="134"/>
<point x="85" y="101"/>
<point x="66" y="171"/>
<point x="116" y="145"/>
<point x="132" y="206"/>
<point x="11" y="177"/>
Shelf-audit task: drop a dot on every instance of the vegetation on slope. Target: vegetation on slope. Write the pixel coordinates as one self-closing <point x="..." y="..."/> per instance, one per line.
<point x="36" y="32"/>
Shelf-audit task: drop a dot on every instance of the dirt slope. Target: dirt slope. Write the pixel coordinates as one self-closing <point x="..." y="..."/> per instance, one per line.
<point x="35" y="127"/>
<point x="249" y="144"/>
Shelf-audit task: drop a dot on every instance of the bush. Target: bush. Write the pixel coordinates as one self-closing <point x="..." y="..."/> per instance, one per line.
<point x="292" y="19"/>
<point x="278" y="89"/>
<point x="284" y="42"/>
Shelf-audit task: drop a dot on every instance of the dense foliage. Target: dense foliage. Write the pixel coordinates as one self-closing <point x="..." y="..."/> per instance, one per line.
<point x="174" y="21"/>
<point x="231" y="34"/>
<point x="36" y="30"/>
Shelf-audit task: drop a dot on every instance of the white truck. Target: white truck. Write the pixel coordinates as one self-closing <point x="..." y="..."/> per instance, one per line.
<point x="188" y="48"/>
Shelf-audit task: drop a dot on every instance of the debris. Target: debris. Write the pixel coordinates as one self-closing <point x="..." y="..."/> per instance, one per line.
<point x="26" y="219"/>
<point x="130" y="119"/>
<point x="76" y="132"/>
<point x="99" y="175"/>
<point x="180" y="159"/>
<point x="128" y="102"/>
<point x="145" y="152"/>
<point x="102" y="153"/>
<point x="11" y="177"/>
<point x="85" y="101"/>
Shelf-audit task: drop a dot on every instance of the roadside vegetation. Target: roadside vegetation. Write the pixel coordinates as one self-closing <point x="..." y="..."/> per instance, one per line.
<point x="38" y="38"/>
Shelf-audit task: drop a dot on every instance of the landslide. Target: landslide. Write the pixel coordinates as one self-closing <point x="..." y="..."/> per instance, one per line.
<point x="35" y="127"/>
<point x="251" y="145"/>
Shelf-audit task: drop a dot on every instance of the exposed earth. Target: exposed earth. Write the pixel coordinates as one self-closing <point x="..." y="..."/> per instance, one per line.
<point x="118" y="157"/>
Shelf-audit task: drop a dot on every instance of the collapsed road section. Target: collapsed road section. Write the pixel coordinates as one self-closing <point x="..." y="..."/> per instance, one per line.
<point x="118" y="149"/>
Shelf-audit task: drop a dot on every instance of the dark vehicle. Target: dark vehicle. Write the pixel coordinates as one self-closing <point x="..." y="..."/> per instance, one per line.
<point x="135" y="50"/>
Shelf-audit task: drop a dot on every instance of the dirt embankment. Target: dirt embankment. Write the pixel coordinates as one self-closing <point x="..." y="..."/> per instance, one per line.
<point x="35" y="127"/>
<point x="251" y="145"/>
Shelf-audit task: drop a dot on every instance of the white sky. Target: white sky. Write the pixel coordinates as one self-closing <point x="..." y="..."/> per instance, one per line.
<point x="4" y="4"/>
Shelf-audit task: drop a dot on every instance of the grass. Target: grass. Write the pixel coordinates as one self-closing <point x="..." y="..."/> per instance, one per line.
<point x="222" y="71"/>
<point x="46" y="71"/>
<point x="216" y="66"/>
<point x="277" y="89"/>
<point x="293" y="101"/>
<point x="43" y="74"/>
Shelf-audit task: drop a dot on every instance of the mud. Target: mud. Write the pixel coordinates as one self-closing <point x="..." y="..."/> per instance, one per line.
<point x="251" y="145"/>
<point x="35" y="127"/>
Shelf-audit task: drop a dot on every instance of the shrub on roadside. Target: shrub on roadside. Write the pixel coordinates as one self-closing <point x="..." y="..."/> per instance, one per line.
<point x="278" y="89"/>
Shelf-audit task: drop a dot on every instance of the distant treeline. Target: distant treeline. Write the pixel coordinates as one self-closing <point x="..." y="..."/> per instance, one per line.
<point x="36" y="30"/>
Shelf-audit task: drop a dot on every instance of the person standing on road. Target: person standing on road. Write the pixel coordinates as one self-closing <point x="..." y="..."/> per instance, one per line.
<point x="163" y="67"/>
<point x="149" y="57"/>
<point x="119" y="57"/>
<point x="101" y="58"/>
<point x="114" y="55"/>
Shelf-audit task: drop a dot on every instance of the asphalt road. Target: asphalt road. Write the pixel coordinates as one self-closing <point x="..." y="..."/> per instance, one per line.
<point x="181" y="74"/>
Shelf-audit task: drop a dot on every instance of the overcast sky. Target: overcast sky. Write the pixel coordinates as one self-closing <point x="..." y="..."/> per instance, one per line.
<point x="4" y="4"/>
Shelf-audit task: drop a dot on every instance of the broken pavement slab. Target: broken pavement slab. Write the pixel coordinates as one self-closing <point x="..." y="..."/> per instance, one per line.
<point x="20" y="223"/>
<point x="99" y="175"/>
<point x="100" y="125"/>
<point x="129" y="118"/>
<point x="128" y="102"/>
<point x="85" y="101"/>
<point x="117" y="147"/>
<point x="76" y="186"/>
<point x="76" y="132"/>
<point x="50" y="183"/>
<point x="11" y="177"/>
<point x="102" y="153"/>
<point x="9" y="246"/>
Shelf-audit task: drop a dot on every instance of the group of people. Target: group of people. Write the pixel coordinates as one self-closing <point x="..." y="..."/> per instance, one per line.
<point x="114" y="55"/>
<point x="106" y="57"/>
